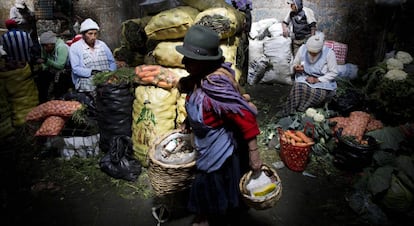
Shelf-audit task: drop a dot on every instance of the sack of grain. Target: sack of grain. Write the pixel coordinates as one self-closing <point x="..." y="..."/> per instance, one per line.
<point x="171" y="24"/>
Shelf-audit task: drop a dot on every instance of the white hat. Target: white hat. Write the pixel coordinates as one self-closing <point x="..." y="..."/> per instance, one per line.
<point x="47" y="37"/>
<point x="88" y="24"/>
<point x="315" y="43"/>
<point x="20" y="4"/>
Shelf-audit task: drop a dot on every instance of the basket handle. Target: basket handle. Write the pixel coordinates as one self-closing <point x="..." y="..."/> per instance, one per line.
<point x="279" y="131"/>
<point x="308" y="126"/>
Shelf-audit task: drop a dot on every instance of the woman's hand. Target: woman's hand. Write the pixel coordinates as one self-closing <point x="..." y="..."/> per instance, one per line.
<point x="248" y="99"/>
<point x="40" y="61"/>
<point x="185" y="127"/>
<point x="254" y="161"/>
<point x="298" y="68"/>
<point x="312" y="80"/>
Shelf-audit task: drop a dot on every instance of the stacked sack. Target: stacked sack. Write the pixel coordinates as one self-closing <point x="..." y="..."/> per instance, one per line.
<point x="148" y="44"/>
<point x="270" y="54"/>
<point x="19" y="95"/>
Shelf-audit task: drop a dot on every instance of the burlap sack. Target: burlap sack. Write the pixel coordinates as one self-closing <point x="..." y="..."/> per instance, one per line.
<point x="166" y="55"/>
<point x="154" y="114"/>
<point x="171" y="24"/>
<point x="205" y="4"/>
<point x="21" y="92"/>
<point x="226" y="21"/>
<point x="133" y="35"/>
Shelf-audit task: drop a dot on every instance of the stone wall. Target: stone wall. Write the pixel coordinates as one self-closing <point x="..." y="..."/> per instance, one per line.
<point x="335" y="18"/>
<point x="368" y="30"/>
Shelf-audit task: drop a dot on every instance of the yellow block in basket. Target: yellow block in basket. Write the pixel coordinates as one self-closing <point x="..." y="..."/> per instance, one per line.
<point x="264" y="190"/>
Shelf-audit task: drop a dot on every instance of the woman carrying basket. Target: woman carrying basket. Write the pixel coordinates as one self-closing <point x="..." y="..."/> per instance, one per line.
<point x="224" y="126"/>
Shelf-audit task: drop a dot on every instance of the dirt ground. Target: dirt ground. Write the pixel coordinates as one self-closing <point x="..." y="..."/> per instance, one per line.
<point x="41" y="189"/>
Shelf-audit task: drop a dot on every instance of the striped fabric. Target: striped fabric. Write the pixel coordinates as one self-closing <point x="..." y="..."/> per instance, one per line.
<point x="17" y="44"/>
<point x="96" y="59"/>
<point x="302" y="97"/>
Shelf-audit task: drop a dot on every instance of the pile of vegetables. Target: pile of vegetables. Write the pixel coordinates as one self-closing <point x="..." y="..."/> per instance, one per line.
<point x="323" y="133"/>
<point x="53" y="115"/>
<point x="356" y="125"/>
<point x="389" y="87"/>
<point x="121" y="75"/>
<point x="296" y="138"/>
<point x="320" y="132"/>
<point x="156" y="75"/>
<point x="386" y="187"/>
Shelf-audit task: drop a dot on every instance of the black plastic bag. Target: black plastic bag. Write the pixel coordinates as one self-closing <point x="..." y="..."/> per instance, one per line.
<point x="350" y="101"/>
<point x="114" y="105"/>
<point x="119" y="162"/>
<point x="86" y="99"/>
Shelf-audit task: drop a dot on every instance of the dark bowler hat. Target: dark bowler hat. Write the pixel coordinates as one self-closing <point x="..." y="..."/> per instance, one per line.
<point x="201" y="43"/>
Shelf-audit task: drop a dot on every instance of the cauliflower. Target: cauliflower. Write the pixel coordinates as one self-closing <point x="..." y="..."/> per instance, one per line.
<point x="404" y="57"/>
<point x="310" y="112"/>
<point x="318" y="117"/>
<point x="396" y="75"/>
<point x="393" y="63"/>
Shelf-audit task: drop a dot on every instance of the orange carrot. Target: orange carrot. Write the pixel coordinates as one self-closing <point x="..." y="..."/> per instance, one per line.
<point x="303" y="136"/>
<point x="304" y="144"/>
<point x="147" y="67"/>
<point x="293" y="136"/>
<point x="147" y="80"/>
<point x="164" y="84"/>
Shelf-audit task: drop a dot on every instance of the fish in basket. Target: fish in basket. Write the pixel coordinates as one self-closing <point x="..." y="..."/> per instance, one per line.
<point x="172" y="163"/>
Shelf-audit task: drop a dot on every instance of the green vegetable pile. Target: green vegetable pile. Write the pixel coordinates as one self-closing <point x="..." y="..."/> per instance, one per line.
<point x="121" y="75"/>
<point x="389" y="99"/>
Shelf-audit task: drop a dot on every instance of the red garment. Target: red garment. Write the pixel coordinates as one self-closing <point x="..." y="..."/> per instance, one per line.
<point x="246" y="123"/>
<point x="75" y="39"/>
<point x="10" y="23"/>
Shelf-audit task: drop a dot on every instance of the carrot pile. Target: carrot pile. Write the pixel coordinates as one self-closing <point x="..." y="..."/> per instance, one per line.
<point x="156" y="75"/>
<point x="296" y="138"/>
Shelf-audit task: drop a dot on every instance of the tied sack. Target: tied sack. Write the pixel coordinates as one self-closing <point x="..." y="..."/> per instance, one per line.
<point x="171" y="24"/>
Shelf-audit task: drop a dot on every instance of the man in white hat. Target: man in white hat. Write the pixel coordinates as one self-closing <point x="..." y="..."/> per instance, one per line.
<point x="89" y="56"/>
<point x="54" y="79"/>
<point x="315" y="70"/>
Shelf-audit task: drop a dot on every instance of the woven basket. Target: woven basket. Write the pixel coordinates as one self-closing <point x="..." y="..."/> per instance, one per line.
<point x="269" y="200"/>
<point x="295" y="157"/>
<point x="169" y="178"/>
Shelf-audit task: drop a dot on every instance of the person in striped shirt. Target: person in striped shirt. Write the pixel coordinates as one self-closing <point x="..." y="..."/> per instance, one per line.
<point x="17" y="43"/>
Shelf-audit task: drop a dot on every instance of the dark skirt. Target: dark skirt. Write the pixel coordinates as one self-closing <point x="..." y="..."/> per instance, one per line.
<point x="217" y="193"/>
<point x="302" y="97"/>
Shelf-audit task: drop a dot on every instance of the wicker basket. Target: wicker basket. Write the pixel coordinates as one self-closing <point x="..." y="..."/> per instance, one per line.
<point x="169" y="178"/>
<point x="269" y="200"/>
<point x="295" y="157"/>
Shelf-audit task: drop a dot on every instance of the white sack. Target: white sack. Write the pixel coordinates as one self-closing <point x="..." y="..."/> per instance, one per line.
<point x="278" y="50"/>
